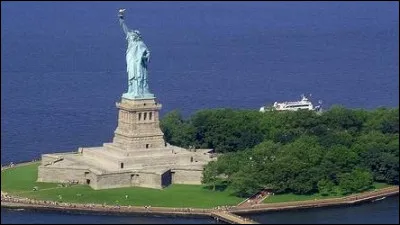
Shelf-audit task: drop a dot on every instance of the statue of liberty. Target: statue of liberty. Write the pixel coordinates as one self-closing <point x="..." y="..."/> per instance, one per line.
<point x="137" y="59"/>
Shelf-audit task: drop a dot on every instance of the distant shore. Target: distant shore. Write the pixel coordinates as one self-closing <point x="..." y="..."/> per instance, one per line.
<point x="14" y="202"/>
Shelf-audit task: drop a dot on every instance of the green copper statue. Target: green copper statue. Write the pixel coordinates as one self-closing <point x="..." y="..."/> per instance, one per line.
<point x="137" y="60"/>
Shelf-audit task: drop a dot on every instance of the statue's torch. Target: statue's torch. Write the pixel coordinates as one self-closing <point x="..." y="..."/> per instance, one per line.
<point x="121" y="13"/>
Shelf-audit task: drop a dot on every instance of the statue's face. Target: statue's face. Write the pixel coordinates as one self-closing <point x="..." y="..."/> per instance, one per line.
<point x="135" y="34"/>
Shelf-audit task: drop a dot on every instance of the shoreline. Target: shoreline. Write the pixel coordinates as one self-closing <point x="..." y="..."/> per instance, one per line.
<point x="13" y="202"/>
<point x="391" y="191"/>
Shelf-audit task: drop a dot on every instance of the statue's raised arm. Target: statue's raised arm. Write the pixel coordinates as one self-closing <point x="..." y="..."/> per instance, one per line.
<point x="122" y="21"/>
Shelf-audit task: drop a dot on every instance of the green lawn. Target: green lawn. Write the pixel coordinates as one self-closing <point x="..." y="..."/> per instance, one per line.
<point x="381" y="185"/>
<point x="20" y="181"/>
<point x="22" y="178"/>
<point x="292" y="197"/>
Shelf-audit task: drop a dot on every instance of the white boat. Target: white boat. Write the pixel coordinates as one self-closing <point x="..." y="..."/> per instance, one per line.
<point x="304" y="104"/>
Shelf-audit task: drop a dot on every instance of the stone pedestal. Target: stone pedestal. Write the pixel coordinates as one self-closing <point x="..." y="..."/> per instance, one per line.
<point x="138" y="155"/>
<point x="138" y="125"/>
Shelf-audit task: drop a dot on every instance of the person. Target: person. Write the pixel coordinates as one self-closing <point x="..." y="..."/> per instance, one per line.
<point x="137" y="59"/>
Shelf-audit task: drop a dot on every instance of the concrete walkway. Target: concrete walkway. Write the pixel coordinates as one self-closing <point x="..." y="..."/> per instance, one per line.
<point x="231" y="218"/>
<point x="348" y="200"/>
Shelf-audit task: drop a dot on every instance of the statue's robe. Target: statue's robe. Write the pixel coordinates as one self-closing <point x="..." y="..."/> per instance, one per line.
<point x="137" y="58"/>
<point x="136" y="65"/>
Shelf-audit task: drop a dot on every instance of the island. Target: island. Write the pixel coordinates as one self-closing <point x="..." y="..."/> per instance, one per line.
<point x="218" y="162"/>
<point x="259" y="166"/>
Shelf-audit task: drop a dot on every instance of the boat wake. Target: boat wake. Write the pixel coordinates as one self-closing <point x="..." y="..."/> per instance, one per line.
<point x="378" y="199"/>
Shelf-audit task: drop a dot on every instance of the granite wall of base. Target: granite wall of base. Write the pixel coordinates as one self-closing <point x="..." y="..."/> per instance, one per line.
<point x="126" y="179"/>
<point x="186" y="176"/>
<point x="61" y="175"/>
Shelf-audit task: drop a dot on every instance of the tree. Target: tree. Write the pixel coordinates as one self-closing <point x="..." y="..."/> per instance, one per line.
<point x="230" y="163"/>
<point x="326" y="187"/>
<point x="211" y="175"/>
<point x="306" y="182"/>
<point x="339" y="117"/>
<point x="336" y="137"/>
<point x="246" y="182"/>
<point x="356" y="181"/>
<point x="338" y="159"/>
<point x="380" y="154"/>
<point x="176" y="130"/>
<point x="384" y="120"/>
<point x="342" y="150"/>
<point x="226" y="130"/>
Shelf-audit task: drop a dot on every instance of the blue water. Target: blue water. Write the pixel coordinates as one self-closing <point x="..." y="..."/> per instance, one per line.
<point x="379" y="212"/>
<point x="63" y="63"/>
<point x="34" y="217"/>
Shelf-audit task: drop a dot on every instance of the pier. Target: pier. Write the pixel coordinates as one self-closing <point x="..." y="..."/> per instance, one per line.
<point x="231" y="218"/>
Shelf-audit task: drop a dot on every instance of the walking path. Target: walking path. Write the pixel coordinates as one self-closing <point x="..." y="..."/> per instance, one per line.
<point x="348" y="200"/>
<point x="257" y="198"/>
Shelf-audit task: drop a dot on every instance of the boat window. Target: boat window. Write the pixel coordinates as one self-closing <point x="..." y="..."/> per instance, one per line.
<point x="293" y="106"/>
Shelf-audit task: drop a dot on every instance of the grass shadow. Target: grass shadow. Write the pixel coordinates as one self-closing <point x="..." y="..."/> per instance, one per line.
<point x="217" y="187"/>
